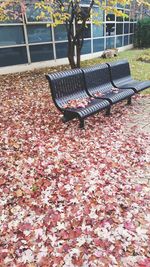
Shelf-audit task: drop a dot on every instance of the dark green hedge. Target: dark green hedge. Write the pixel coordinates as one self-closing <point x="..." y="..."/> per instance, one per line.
<point x="142" y="33"/>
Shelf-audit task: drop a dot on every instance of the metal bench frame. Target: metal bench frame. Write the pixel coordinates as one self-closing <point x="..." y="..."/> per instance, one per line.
<point x="120" y="76"/>
<point x="97" y="79"/>
<point x="70" y="85"/>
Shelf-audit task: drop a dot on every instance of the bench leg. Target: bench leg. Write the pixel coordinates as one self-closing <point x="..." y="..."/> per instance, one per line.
<point x="108" y="111"/>
<point x="81" y="123"/>
<point x="64" y="119"/>
<point x="129" y="101"/>
<point x="67" y="117"/>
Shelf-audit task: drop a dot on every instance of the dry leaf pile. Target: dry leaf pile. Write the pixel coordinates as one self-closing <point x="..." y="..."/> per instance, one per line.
<point x="70" y="197"/>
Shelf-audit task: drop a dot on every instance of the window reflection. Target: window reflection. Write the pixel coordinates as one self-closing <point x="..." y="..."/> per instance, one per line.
<point x="110" y="29"/>
<point x="38" y="34"/>
<point x="119" y="28"/>
<point x="98" y="30"/>
<point x="41" y="52"/>
<point x="98" y="45"/>
<point x="86" y="49"/>
<point x="13" y="56"/>
<point x="60" y="33"/>
<point x="11" y="35"/>
<point x="110" y="42"/>
<point x="61" y="50"/>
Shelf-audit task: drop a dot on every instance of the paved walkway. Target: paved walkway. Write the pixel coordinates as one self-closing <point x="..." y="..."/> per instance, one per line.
<point x="140" y="121"/>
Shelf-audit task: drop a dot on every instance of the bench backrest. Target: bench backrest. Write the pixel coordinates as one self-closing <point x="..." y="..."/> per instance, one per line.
<point x="66" y="85"/>
<point x="97" y="76"/>
<point x="119" y="71"/>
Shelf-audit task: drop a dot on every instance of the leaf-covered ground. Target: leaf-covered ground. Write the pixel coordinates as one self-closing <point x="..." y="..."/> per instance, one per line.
<point x="70" y="197"/>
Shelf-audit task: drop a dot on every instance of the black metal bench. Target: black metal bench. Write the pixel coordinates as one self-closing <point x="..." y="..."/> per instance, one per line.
<point x="121" y="77"/>
<point x="98" y="85"/>
<point x="67" y="86"/>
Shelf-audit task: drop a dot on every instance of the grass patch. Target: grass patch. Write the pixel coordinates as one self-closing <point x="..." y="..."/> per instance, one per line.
<point x="145" y="56"/>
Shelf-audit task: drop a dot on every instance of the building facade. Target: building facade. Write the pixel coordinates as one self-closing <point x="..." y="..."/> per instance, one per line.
<point x="29" y="41"/>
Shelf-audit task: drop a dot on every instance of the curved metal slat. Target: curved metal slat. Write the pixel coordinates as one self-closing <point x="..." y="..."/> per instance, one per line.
<point x="121" y="77"/>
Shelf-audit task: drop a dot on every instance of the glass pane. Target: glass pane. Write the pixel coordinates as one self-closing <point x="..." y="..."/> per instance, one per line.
<point x="119" y="28"/>
<point x="131" y="27"/>
<point x="110" y="17"/>
<point x="11" y="35"/>
<point x="32" y="14"/>
<point x="98" y="14"/>
<point x="13" y="12"/>
<point x="98" y="45"/>
<point x="85" y="2"/>
<point x="127" y="6"/>
<point x="126" y="40"/>
<point x="110" y="42"/>
<point x="119" y="41"/>
<point x="39" y="33"/>
<point x="131" y="39"/>
<point x="13" y="56"/>
<point x="127" y="13"/>
<point x="61" y="50"/>
<point x="41" y="52"/>
<point x="98" y="30"/>
<point x="119" y="18"/>
<point x="110" y="29"/>
<point x="119" y="5"/>
<point x="87" y="30"/>
<point x="60" y="33"/>
<point x="126" y="27"/>
<point x="86" y="49"/>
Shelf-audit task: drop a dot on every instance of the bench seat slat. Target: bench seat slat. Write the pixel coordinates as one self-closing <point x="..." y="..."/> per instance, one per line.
<point x="70" y="85"/>
<point x="98" y="80"/>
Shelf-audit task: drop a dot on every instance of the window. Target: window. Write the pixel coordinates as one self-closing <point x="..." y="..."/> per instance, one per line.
<point x="110" y="29"/>
<point x="98" y="14"/>
<point x="119" y="28"/>
<point x="98" y="30"/>
<point x="110" y="17"/>
<point x="119" y="18"/>
<point x="11" y="35"/>
<point x="61" y="50"/>
<point x="39" y="33"/>
<point x="126" y="28"/>
<point x="13" y="56"/>
<point x="131" y="39"/>
<point x="33" y="14"/>
<point x="118" y="41"/>
<point x="110" y="42"/>
<point x="60" y="33"/>
<point x="98" y="45"/>
<point x="86" y="49"/>
<point x="131" y="27"/>
<point x="41" y="52"/>
<point x="87" y="30"/>
<point x="126" y="40"/>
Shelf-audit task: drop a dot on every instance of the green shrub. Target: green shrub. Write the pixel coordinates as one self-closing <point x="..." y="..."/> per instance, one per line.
<point x="142" y="34"/>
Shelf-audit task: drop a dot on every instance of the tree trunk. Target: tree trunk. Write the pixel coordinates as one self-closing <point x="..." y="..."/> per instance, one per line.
<point x="71" y="53"/>
<point x="78" y="49"/>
